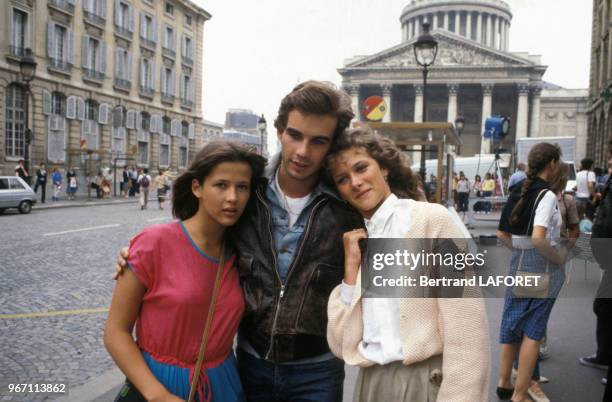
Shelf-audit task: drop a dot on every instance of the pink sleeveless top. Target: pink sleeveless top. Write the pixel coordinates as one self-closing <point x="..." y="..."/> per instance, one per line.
<point x="179" y="278"/>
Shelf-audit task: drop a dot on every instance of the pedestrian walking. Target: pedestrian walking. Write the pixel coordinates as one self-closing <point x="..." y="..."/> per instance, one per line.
<point x="530" y="224"/>
<point x="133" y="181"/>
<point x="463" y="193"/>
<point x="488" y="186"/>
<point x="400" y="344"/>
<point x="56" y="177"/>
<point x="125" y="182"/>
<point x="183" y="288"/>
<point x="72" y="183"/>
<point x="602" y="305"/>
<point x="41" y="181"/>
<point x="585" y="186"/>
<point x="144" y="182"/>
<point x="22" y="172"/>
<point x="161" y="185"/>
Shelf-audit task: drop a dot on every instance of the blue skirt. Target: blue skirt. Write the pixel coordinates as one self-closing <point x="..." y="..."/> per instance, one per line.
<point x="525" y="316"/>
<point x="223" y="380"/>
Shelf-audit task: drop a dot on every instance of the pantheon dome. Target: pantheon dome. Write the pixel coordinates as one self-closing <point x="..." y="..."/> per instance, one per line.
<point x="484" y="21"/>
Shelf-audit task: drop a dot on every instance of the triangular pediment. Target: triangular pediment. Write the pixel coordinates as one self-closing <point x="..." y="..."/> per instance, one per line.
<point x="453" y="50"/>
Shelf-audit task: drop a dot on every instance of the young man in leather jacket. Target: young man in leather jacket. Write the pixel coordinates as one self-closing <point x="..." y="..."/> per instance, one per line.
<point x="291" y="256"/>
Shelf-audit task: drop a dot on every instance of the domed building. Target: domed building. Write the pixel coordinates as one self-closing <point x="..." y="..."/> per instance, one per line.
<point x="474" y="74"/>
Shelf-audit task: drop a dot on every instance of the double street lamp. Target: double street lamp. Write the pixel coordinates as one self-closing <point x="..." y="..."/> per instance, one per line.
<point x="27" y="68"/>
<point x="261" y="127"/>
<point x="425" y="51"/>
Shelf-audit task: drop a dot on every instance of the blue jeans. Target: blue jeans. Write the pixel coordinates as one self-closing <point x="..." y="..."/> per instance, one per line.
<point x="264" y="381"/>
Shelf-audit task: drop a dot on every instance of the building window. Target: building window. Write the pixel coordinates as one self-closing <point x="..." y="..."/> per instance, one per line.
<point x="118" y="143"/>
<point x="168" y="44"/>
<point x="186" y="90"/>
<point x="123" y="68"/>
<point x="19" y="32"/>
<point x="169" y="8"/>
<point x="93" y="53"/>
<point x="145" y="121"/>
<point x="187" y="50"/>
<point x="167" y="124"/>
<point x="95" y="11"/>
<point x="124" y="18"/>
<point x="58" y="104"/>
<point x="187" y="19"/>
<point x="60" y="46"/>
<point x="15" y="120"/>
<point x="183" y="145"/>
<point x="91" y="110"/>
<point x="89" y="126"/>
<point x="167" y="84"/>
<point x="147" y="30"/>
<point x="147" y="76"/>
<point x="144" y="138"/>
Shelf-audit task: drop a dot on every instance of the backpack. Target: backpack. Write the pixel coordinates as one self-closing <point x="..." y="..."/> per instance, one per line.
<point x="602" y="229"/>
<point x="144" y="182"/>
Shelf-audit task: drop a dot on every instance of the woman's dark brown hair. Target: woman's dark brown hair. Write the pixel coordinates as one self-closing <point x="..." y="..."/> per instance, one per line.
<point x="539" y="157"/>
<point x="402" y="182"/>
<point x="184" y="203"/>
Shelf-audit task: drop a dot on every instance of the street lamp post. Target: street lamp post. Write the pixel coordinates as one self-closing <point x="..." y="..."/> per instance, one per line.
<point x="459" y="126"/>
<point x="27" y="68"/>
<point x="261" y="126"/>
<point x="425" y="51"/>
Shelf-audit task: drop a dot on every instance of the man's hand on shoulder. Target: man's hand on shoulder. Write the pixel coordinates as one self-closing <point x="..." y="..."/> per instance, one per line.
<point x="122" y="262"/>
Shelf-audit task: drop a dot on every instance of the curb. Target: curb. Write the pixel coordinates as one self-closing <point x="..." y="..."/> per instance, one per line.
<point x="96" y="387"/>
<point x="40" y="207"/>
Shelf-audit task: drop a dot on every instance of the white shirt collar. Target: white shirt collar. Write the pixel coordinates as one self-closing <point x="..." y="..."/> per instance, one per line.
<point x="376" y="224"/>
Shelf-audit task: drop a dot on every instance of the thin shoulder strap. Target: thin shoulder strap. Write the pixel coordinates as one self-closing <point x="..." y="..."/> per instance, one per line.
<point x="535" y="206"/>
<point x="211" y="311"/>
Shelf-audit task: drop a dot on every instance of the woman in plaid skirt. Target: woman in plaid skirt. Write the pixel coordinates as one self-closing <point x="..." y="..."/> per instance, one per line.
<point x="530" y="225"/>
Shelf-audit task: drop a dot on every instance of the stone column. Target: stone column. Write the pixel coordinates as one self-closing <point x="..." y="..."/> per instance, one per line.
<point x="409" y="30"/>
<point x="434" y="22"/>
<point x="418" y="103"/>
<point x="507" y="35"/>
<point x="487" y="106"/>
<point x="386" y="91"/>
<point x="353" y="90"/>
<point x="458" y="22"/>
<point x="446" y="18"/>
<point x="487" y="31"/>
<point x="495" y="33"/>
<point x="479" y="28"/>
<point x="536" y="91"/>
<point x="468" y="25"/>
<point x="522" y="118"/>
<point x="453" y="89"/>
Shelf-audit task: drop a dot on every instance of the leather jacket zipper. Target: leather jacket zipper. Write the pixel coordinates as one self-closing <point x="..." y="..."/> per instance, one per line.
<point x="276" y="275"/>
<point x="282" y="290"/>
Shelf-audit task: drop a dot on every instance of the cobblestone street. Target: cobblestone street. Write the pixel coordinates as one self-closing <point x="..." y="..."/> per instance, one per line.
<point x="56" y="268"/>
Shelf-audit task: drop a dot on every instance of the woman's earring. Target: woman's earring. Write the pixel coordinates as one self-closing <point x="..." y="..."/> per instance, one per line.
<point x="387" y="178"/>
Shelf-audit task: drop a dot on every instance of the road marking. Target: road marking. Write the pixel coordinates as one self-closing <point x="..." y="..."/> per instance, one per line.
<point x="163" y="218"/>
<point x="55" y="313"/>
<point x="82" y="230"/>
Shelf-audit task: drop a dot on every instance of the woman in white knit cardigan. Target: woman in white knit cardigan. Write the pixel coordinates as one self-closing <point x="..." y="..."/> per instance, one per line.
<point x="409" y="349"/>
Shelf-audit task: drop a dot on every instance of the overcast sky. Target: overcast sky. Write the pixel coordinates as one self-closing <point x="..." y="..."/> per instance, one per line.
<point x="256" y="51"/>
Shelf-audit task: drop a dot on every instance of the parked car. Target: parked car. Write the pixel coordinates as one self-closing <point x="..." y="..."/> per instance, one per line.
<point x="15" y="193"/>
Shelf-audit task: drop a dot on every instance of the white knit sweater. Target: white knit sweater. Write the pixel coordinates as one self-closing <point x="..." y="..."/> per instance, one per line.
<point x="457" y="328"/>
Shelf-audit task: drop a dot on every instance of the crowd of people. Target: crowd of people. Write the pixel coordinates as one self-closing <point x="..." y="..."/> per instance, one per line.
<point x="133" y="182"/>
<point x="274" y="256"/>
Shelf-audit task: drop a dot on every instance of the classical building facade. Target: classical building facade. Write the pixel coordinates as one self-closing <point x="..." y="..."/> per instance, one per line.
<point x="474" y="74"/>
<point x="120" y="80"/>
<point x="600" y="88"/>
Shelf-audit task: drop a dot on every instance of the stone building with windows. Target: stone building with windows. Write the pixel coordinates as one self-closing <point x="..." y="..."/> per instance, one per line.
<point x="600" y="88"/>
<point x="120" y="78"/>
<point x="474" y="74"/>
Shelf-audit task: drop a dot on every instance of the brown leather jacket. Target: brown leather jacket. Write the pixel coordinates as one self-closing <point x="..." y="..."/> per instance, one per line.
<point x="289" y="322"/>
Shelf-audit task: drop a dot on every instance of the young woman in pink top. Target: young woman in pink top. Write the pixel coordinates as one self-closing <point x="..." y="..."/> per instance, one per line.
<point x="167" y="290"/>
